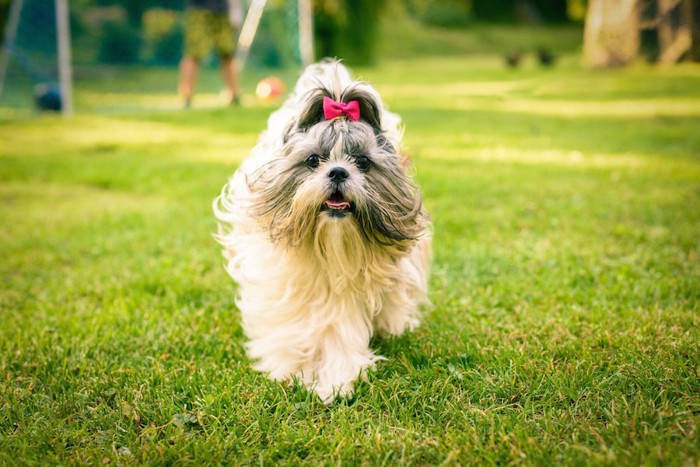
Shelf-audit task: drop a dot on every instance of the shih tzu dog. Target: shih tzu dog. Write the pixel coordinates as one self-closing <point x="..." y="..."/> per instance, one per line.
<point x="324" y="231"/>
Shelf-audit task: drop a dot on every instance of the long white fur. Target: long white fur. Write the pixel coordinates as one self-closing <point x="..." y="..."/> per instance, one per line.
<point x="309" y="313"/>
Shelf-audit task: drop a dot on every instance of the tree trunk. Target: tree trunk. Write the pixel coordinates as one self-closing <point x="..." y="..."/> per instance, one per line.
<point x="695" y="26"/>
<point x="675" y="30"/>
<point x="611" y="34"/>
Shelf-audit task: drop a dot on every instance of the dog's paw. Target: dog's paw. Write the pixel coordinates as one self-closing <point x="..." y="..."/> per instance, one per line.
<point x="329" y="394"/>
<point x="330" y="391"/>
<point x="395" y="325"/>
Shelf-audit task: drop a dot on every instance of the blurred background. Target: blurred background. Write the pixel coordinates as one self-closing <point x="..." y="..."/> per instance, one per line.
<point x="125" y="53"/>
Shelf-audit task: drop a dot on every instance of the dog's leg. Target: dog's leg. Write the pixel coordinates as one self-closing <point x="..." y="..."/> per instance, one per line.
<point x="398" y="315"/>
<point x="278" y="361"/>
<point x="343" y="357"/>
<point x="401" y="306"/>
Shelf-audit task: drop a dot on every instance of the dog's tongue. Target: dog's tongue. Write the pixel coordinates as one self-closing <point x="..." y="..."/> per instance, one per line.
<point x="337" y="201"/>
<point x="337" y="204"/>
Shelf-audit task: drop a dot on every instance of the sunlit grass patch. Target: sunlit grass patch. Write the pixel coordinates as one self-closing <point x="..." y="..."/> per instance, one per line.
<point x="637" y="109"/>
<point x="100" y="137"/>
<point x="48" y="206"/>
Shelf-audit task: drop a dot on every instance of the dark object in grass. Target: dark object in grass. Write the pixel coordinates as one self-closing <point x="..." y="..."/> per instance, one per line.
<point x="545" y="57"/>
<point x="47" y="97"/>
<point x="513" y="59"/>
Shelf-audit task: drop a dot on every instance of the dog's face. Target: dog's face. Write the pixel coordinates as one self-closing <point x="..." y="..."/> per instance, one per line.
<point x="338" y="171"/>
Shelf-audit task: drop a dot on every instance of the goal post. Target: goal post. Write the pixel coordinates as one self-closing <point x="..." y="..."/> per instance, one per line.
<point x="65" y="67"/>
<point x="11" y="51"/>
<point x="306" y="32"/>
<point x="8" y="42"/>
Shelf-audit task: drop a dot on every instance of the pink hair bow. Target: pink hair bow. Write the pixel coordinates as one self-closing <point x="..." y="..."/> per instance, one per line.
<point x="333" y="109"/>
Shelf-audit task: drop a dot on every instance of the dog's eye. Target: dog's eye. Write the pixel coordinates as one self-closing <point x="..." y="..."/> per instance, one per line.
<point x="362" y="163"/>
<point x="313" y="161"/>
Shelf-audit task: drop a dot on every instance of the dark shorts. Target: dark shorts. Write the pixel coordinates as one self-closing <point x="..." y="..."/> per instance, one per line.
<point x="204" y="30"/>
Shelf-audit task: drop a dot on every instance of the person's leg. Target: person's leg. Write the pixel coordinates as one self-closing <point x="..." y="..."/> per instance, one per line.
<point x="188" y="78"/>
<point x="224" y="40"/>
<point x="228" y="71"/>
<point x="197" y="45"/>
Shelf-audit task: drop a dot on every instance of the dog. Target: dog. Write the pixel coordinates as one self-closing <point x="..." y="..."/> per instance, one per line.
<point x="324" y="231"/>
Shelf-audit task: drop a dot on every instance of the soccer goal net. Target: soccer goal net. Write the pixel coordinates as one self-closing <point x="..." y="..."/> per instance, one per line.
<point x="124" y="54"/>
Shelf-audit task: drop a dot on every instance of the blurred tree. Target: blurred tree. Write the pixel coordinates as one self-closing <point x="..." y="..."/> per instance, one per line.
<point x="162" y="35"/>
<point x="670" y="30"/>
<point x="445" y="13"/>
<point x="611" y="34"/>
<point x="576" y="9"/>
<point x="4" y="12"/>
<point x="361" y="31"/>
<point x="347" y="29"/>
<point x="494" y="10"/>
<point x="695" y="46"/>
<point x="666" y="31"/>
<point x="119" y="43"/>
<point x="136" y="8"/>
<point x="327" y="21"/>
<point x="520" y="10"/>
<point x="552" y="11"/>
<point x="674" y="25"/>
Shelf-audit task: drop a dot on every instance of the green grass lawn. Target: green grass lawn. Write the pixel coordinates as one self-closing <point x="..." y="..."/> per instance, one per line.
<point x="565" y="283"/>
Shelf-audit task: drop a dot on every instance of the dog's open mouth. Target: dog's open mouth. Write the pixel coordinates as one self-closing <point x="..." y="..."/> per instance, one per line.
<point x="336" y="204"/>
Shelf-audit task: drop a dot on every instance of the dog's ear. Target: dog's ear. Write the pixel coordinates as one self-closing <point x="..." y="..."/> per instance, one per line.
<point x="313" y="109"/>
<point x="371" y="109"/>
<point x="311" y="114"/>
<point x="370" y="105"/>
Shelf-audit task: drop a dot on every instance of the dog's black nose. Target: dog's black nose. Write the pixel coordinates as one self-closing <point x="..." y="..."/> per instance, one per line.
<point x="338" y="174"/>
